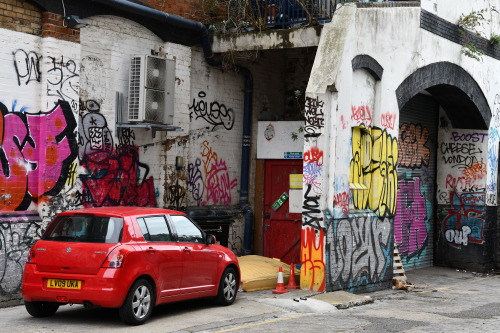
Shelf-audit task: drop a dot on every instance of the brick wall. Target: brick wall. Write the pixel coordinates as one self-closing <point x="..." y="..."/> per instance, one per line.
<point x="197" y="10"/>
<point x="20" y="16"/>
<point x="54" y="26"/>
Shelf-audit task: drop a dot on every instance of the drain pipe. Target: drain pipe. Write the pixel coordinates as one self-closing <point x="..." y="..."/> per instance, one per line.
<point x="245" y="160"/>
<point x="168" y="19"/>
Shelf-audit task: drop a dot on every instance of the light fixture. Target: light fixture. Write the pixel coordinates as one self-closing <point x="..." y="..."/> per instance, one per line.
<point x="74" y="21"/>
<point x="179" y="162"/>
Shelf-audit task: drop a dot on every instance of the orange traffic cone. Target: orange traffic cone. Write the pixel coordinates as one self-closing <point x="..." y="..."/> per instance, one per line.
<point x="291" y="281"/>
<point x="280" y="288"/>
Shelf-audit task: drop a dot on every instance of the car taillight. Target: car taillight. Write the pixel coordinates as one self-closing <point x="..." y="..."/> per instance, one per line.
<point x="31" y="257"/>
<point x="114" y="259"/>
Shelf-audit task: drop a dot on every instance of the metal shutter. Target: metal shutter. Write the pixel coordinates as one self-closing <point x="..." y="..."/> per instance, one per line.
<point x="414" y="223"/>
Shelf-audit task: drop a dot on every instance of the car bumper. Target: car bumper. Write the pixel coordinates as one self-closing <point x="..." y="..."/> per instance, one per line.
<point x="105" y="289"/>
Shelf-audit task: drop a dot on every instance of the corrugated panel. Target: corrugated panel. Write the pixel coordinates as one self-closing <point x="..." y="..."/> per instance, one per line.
<point x="414" y="223"/>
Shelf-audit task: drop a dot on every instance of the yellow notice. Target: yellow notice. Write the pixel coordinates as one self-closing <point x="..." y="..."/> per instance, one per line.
<point x="296" y="181"/>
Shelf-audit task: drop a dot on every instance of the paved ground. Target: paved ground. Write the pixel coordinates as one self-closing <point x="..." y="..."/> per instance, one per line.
<point x="443" y="300"/>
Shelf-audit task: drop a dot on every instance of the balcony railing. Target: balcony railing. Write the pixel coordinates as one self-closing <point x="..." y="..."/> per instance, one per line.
<point x="289" y="13"/>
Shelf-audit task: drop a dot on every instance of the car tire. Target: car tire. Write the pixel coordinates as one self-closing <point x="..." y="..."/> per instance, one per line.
<point x="41" y="309"/>
<point x="228" y="287"/>
<point x="138" y="304"/>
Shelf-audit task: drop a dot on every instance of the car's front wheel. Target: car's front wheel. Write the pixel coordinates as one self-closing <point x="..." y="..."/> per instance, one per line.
<point x="138" y="304"/>
<point x="228" y="287"/>
<point x="41" y="309"/>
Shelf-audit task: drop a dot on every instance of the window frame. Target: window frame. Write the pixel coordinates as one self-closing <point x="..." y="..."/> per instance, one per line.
<point x="203" y="233"/>
<point x="169" y="228"/>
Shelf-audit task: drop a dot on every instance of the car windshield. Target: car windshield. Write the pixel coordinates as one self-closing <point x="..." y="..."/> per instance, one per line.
<point x="85" y="229"/>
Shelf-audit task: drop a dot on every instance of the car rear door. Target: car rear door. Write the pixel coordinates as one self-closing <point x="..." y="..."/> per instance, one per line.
<point x="200" y="260"/>
<point x="162" y="253"/>
<point x="77" y="244"/>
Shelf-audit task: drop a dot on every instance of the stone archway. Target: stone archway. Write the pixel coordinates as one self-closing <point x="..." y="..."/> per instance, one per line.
<point x="456" y="91"/>
<point x="462" y="217"/>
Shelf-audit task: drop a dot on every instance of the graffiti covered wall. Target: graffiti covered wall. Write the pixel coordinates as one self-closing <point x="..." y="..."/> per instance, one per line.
<point x="38" y="144"/>
<point x="465" y="231"/>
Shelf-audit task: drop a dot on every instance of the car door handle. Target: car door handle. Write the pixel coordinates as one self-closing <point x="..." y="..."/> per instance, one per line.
<point x="151" y="250"/>
<point x="186" y="250"/>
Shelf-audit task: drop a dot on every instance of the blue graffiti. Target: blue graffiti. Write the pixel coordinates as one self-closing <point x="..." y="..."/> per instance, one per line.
<point x="465" y="221"/>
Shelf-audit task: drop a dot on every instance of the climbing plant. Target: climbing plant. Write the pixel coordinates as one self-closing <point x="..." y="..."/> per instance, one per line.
<point x="472" y="23"/>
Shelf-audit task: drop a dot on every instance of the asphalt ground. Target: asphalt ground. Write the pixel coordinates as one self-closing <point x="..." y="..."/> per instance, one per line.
<point x="439" y="300"/>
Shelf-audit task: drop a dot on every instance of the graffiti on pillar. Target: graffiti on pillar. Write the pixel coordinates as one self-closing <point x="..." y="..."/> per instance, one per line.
<point x="36" y="151"/>
<point x="217" y="180"/>
<point x="410" y="222"/>
<point x="388" y="120"/>
<point x="312" y="272"/>
<point x="360" y="251"/>
<point x="27" y="66"/>
<point x="342" y="202"/>
<point x="462" y="151"/>
<point x="361" y="115"/>
<point x="464" y="221"/>
<point x="379" y="175"/>
<point x="311" y="213"/>
<point x="315" y="118"/>
<point x="476" y="171"/>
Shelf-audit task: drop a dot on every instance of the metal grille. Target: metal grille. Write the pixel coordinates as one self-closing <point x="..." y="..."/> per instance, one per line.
<point x="154" y="106"/>
<point x="414" y="223"/>
<point x="134" y="88"/>
<point x="155" y="73"/>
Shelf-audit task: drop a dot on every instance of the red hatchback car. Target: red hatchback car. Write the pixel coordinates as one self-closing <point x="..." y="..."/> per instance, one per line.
<point x="128" y="258"/>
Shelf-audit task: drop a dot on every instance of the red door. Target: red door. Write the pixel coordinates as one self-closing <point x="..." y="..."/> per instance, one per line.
<point x="281" y="228"/>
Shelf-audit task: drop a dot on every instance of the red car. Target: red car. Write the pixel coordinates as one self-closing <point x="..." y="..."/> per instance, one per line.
<point x="128" y="258"/>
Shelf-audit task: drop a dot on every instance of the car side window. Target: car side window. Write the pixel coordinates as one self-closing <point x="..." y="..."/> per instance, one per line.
<point x="154" y="229"/>
<point x="186" y="231"/>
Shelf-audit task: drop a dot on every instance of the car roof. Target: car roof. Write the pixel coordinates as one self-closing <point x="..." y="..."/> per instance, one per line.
<point x="122" y="211"/>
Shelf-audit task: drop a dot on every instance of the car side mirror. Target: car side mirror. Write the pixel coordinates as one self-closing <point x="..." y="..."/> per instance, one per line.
<point x="211" y="239"/>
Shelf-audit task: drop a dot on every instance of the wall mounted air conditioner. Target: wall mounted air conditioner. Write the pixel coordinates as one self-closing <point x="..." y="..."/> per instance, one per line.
<point x="151" y="90"/>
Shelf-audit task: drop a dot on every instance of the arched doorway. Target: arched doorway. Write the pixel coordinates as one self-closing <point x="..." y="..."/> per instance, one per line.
<point x="443" y="148"/>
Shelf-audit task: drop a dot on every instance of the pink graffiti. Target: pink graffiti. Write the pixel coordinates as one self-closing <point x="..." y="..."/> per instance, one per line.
<point x="217" y="181"/>
<point x="410" y="230"/>
<point x="219" y="185"/>
<point x="361" y="114"/>
<point x="36" y="152"/>
<point x="344" y="123"/>
<point x="342" y="200"/>
<point x="388" y="120"/>
<point x="314" y="155"/>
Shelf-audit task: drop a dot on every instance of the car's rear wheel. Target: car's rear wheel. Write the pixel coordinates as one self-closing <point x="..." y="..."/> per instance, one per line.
<point x="138" y="304"/>
<point x="228" y="287"/>
<point x="41" y="309"/>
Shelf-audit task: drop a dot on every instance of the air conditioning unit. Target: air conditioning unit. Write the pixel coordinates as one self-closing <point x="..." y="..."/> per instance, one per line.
<point x="151" y="90"/>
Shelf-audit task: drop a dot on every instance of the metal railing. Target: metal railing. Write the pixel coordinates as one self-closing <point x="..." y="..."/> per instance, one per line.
<point x="290" y="13"/>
